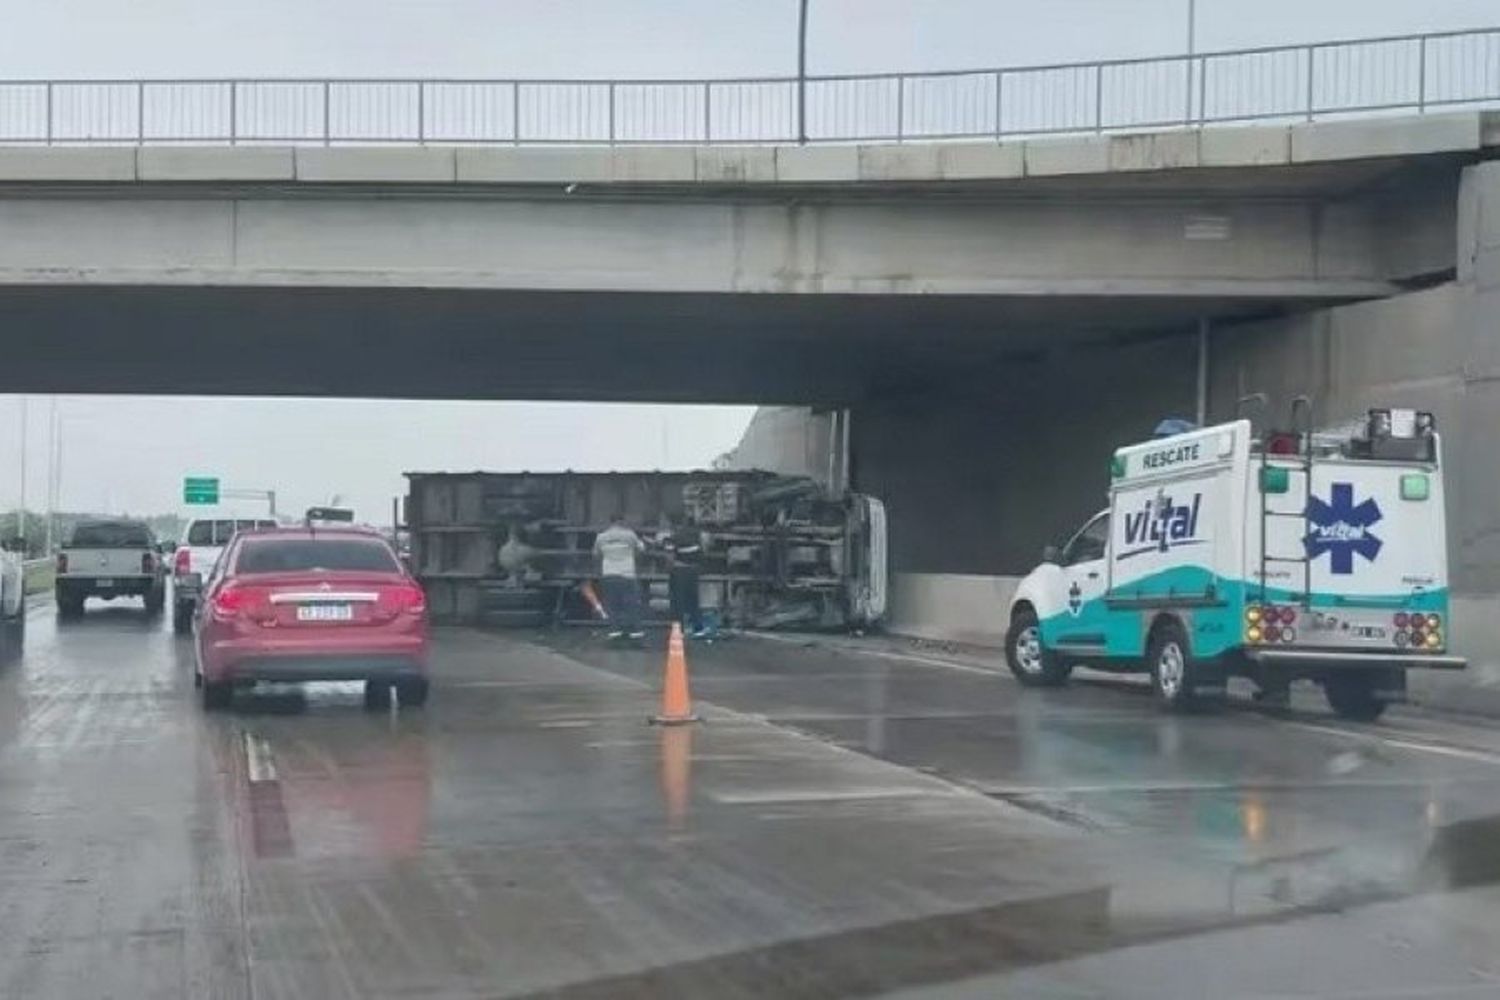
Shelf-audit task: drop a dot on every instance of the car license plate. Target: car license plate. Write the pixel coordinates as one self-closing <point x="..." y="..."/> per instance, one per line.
<point x="325" y="613"/>
<point x="104" y="581"/>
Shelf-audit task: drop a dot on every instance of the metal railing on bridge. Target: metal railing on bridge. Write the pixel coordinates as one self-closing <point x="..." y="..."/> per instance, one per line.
<point x="1406" y="73"/>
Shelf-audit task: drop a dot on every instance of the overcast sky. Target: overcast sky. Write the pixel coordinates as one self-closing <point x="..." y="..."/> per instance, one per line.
<point x="130" y="454"/>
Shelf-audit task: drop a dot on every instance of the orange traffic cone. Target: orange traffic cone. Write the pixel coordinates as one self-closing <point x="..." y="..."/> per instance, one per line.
<point x="676" y="703"/>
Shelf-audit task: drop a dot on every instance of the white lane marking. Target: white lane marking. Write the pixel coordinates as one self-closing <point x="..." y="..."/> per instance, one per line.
<point x="259" y="761"/>
<point x="1439" y="749"/>
<point x="567" y="724"/>
<point x="884" y="654"/>
<point x="1148" y="787"/>
<point x="775" y="796"/>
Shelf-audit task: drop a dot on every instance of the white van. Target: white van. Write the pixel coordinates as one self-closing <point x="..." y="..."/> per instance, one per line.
<point x="1301" y="555"/>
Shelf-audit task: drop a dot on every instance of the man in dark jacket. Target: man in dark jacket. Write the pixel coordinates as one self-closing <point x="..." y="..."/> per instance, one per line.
<point x="685" y="545"/>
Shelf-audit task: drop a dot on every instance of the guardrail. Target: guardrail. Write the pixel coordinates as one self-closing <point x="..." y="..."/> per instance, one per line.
<point x="1417" y="73"/>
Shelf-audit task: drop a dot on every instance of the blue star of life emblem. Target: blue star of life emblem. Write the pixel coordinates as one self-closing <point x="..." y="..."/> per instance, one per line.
<point x="1075" y="599"/>
<point x="1341" y="528"/>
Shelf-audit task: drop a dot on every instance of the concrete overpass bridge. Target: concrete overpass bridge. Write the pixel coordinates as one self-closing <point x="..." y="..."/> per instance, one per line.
<point x="822" y="275"/>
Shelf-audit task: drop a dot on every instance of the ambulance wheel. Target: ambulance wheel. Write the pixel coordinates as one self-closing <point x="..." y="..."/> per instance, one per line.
<point x="1352" y="696"/>
<point x="1171" y="666"/>
<point x="1027" y="658"/>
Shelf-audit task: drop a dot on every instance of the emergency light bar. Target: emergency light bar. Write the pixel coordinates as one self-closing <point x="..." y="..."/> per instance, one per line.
<point x="1405" y="424"/>
<point x="1399" y="435"/>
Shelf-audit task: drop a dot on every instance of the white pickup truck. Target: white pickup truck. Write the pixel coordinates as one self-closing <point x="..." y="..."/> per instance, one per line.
<point x="194" y="559"/>
<point x="109" y="559"/>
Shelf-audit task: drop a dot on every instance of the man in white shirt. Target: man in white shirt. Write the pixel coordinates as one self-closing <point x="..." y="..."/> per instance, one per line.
<point x="616" y="548"/>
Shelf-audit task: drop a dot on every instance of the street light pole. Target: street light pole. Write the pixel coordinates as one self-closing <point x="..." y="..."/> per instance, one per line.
<point x="1192" y="46"/>
<point x="21" y="516"/>
<point x="802" y="73"/>
<point x="52" y="449"/>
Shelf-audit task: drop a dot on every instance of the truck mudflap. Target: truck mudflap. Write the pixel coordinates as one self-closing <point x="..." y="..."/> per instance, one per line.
<point x="1326" y="660"/>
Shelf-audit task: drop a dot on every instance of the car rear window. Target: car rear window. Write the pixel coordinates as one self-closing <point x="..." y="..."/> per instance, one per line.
<point x="291" y="555"/>
<point x="111" y="535"/>
<point x="220" y="531"/>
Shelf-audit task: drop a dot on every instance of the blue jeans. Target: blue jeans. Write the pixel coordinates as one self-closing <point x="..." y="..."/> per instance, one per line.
<point x="622" y="601"/>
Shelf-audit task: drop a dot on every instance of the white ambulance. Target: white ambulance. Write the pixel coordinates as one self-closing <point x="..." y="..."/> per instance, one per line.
<point x="1295" y="555"/>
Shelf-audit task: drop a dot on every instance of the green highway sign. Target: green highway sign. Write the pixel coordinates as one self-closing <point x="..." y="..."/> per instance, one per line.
<point x="200" y="489"/>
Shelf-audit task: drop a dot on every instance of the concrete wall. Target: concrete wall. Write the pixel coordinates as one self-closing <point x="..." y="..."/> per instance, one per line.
<point x="951" y="607"/>
<point x="977" y="482"/>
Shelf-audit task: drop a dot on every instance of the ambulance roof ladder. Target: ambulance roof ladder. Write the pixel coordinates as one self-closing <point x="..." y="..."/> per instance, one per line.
<point x="1273" y="443"/>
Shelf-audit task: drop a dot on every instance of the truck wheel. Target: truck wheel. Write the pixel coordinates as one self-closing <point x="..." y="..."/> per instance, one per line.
<point x="69" y="605"/>
<point x="182" y="617"/>
<point x="377" y="695"/>
<point x="156" y="600"/>
<point x="1028" y="659"/>
<point x="1171" y="667"/>
<point x="1352" y="696"/>
<point x="411" y="692"/>
<point x="217" y="695"/>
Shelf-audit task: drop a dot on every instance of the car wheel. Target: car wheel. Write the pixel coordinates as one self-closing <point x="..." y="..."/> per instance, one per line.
<point x="411" y="692"/>
<point x="1352" y="696"/>
<point x="182" y="617"/>
<point x="1032" y="663"/>
<point x="217" y="695"/>
<point x="377" y="695"/>
<point x="1172" y="675"/>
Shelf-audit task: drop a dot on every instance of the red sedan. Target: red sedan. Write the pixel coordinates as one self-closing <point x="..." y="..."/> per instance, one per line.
<point x="298" y="604"/>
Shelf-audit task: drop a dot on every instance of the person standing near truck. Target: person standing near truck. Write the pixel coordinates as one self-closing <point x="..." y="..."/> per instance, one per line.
<point x="616" y="548"/>
<point x="685" y="545"/>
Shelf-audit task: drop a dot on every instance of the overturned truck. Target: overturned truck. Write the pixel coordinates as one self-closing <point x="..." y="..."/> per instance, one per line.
<point x="516" y="549"/>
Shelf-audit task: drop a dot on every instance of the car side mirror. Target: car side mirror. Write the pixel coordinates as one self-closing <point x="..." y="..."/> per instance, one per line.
<point x="1051" y="554"/>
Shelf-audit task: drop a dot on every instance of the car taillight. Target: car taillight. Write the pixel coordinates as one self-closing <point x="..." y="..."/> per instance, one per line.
<point x="182" y="562"/>
<point x="62" y="562"/>
<point x="232" y="600"/>
<point x="1418" y="630"/>
<point x="408" y="597"/>
<point x="148" y="563"/>
<point x="1270" y="623"/>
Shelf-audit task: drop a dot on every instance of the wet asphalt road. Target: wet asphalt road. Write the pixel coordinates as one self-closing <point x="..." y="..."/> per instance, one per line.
<point x="845" y="822"/>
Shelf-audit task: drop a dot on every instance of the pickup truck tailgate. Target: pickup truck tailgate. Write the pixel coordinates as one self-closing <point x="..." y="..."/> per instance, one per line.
<point x="95" y="563"/>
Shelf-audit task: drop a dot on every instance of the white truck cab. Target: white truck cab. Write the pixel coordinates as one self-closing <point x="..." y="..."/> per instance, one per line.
<point x="203" y="540"/>
<point x="1294" y="555"/>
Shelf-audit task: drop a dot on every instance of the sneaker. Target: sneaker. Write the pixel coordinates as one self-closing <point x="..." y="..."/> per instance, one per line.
<point x="701" y="633"/>
<point x="616" y="634"/>
<point x="637" y="635"/>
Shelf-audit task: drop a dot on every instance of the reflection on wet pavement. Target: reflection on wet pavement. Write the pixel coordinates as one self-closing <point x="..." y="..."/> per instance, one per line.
<point x="839" y="825"/>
